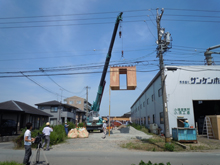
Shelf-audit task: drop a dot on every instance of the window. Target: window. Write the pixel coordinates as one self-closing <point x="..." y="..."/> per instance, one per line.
<point x="144" y="104"/>
<point x="153" y="119"/>
<point x="148" y="119"/>
<point x="71" y="102"/>
<point x="160" y="92"/>
<point x="161" y="118"/>
<point x="53" y="109"/>
<point x="53" y="121"/>
<point x="144" y="120"/>
<point x="41" y="108"/>
<point x="78" y="102"/>
<point x="141" y="106"/>
<point x="152" y="97"/>
<point x="147" y="101"/>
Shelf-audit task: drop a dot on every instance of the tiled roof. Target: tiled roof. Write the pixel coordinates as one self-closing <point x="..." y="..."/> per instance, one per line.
<point x="22" y="107"/>
<point x="54" y="103"/>
<point x="78" y="110"/>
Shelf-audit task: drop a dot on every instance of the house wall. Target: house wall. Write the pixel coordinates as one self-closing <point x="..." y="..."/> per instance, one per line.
<point x="74" y="101"/>
<point x="61" y="113"/>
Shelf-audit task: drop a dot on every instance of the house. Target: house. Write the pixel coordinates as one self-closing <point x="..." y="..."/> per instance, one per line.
<point x="80" y="116"/>
<point x="21" y="113"/>
<point x="81" y="104"/>
<point x="61" y="112"/>
<point x="78" y="102"/>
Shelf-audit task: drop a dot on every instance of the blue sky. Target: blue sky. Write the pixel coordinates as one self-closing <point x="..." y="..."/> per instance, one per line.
<point x="68" y="34"/>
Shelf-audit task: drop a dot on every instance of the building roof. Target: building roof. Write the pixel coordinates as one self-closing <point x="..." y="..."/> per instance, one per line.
<point x="22" y="107"/>
<point x="80" y="111"/>
<point x="74" y="97"/>
<point x="55" y="103"/>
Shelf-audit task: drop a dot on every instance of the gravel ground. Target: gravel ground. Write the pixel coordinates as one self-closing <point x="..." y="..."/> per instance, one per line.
<point x="95" y="142"/>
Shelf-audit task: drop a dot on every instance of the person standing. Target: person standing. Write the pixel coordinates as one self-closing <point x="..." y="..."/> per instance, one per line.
<point x="104" y="129"/>
<point x="66" y="128"/>
<point x="27" y="143"/>
<point x="46" y="131"/>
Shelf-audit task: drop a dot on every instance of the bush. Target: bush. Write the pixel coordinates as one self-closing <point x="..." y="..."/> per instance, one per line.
<point x="169" y="147"/>
<point x="81" y="125"/>
<point x="150" y="163"/>
<point x="71" y="125"/>
<point x="58" y="135"/>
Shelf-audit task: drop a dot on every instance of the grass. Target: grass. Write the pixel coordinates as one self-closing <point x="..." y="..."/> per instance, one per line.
<point x="10" y="163"/>
<point x="154" y="144"/>
<point x="157" y="143"/>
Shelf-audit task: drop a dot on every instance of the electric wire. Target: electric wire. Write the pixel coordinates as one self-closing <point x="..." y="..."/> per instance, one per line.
<point x="23" y="75"/>
<point x="65" y="74"/>
<point x="55" y="82"/>
<point x="150" y="31"/>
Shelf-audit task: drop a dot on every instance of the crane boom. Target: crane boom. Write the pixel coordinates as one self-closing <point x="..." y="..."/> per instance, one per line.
<point x="94" y="122"/>
<point x="97" y="102"/>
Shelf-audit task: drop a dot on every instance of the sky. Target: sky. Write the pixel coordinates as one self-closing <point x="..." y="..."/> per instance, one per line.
<point x="70" y="38"/>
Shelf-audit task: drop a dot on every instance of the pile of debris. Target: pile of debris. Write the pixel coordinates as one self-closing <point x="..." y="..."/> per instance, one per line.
<point x="78" y="133"/>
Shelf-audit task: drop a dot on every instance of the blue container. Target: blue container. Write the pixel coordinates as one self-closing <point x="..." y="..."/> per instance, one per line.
<point x="184" y="134"/>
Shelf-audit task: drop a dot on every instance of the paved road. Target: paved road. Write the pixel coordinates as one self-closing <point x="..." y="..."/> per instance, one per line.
<point x="95" y="150"/>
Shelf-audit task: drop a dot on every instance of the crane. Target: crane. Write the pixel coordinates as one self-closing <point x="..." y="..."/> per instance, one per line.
<point x="94" y="122"/>
<point x="208" y="54"/>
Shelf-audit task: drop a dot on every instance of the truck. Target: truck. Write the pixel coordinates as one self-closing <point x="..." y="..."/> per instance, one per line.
<point x="94" y="121"/>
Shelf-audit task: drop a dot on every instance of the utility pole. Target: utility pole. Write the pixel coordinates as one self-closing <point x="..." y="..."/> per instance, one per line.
<point x="163" y="43"/>
<point x="61" y="90"/>
<point x="87" y="103"/>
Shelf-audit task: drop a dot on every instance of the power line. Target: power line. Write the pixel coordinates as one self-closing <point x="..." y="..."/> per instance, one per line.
<point x="55" y="82"/>
<point x="65" y="74"/>
<point x="80" y="19"/>
<point x="39" y="84"/>
<point x="150" y="31"/>
<point x="109" y="12"/>
<point x="18" y="59"/>
<point x="72" y="14"/>
<point x="192" y="15"/>
<point x="212" y="11"/>
<point x="99" y="23"/>
<point x="191" y="20"/>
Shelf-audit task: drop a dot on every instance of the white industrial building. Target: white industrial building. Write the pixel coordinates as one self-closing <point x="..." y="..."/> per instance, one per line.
<point x="192" y="93"/>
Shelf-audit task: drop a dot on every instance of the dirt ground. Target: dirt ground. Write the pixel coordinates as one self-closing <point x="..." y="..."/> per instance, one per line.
<point x="133" y="140"/>
<point x="95" y="142"/>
